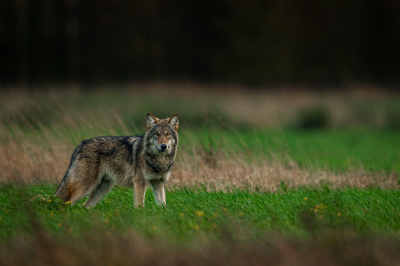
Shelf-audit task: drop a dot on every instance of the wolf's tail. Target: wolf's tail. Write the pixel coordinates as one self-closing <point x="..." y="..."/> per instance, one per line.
<point x="64" y="191"/>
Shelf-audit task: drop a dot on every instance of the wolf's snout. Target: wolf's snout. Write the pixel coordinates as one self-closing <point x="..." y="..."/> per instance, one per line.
<point x="163" y="147"/>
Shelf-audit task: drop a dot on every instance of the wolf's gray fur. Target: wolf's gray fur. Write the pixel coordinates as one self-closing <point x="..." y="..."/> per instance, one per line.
<point x="99" y="163"/>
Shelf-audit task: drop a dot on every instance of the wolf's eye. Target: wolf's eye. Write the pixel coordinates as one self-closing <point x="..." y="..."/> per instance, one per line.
<point x="167" y="133"/>
<point x="156" y="134"/>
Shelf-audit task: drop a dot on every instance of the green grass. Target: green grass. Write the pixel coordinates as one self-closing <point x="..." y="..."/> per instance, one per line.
<point x="336" y="150"/>
<point x="192" y="212"/>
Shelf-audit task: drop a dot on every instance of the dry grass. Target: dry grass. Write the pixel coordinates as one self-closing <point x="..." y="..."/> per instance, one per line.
<point x="25" y="161"/>
<point x="268" y="175"/>
<point x="34" y="145"/>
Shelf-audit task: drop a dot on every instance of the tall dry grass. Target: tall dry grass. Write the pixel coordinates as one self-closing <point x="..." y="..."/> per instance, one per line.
<point x="40" y="129"/>
<point x="26" y="161"/>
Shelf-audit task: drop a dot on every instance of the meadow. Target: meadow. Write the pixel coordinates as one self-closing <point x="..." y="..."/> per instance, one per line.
<point x="285" y="177"/>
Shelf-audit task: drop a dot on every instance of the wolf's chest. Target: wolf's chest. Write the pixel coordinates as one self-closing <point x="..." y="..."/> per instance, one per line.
<point x="157" y="176"/>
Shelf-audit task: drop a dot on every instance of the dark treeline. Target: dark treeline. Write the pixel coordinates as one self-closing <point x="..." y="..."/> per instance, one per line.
<point x="253" y="41"/>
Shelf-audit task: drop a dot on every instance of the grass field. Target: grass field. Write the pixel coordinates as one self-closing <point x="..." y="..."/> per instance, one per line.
<point x="264" y="178"/>
<point x="192" y="211"/>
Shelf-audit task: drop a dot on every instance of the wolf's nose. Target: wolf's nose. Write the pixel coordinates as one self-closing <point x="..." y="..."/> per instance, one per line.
<point x="164" y="147"/>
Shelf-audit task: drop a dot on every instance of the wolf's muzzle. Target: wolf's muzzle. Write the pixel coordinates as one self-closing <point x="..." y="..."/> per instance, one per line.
<point x="163" y="147"/>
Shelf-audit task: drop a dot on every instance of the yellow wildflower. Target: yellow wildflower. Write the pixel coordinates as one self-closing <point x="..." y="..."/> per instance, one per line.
<point x="199" y="213"/>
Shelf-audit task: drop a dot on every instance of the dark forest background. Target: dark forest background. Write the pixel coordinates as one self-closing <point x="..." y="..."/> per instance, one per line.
<point x="251" y="42"/>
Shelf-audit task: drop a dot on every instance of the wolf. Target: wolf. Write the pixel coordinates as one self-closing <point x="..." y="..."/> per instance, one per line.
<point x="99" y="163"/>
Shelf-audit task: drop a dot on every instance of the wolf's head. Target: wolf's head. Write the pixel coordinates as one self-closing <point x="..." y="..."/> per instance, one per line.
<point x="163" y="132"/>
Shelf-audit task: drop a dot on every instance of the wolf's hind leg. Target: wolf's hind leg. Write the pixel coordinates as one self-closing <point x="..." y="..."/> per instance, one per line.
<point x="82" y="179"/>
<point x="79" y="191"/>
<point x="102" y="189"/>
<point x="159" y="192"/>
<point x="75" y="189"/>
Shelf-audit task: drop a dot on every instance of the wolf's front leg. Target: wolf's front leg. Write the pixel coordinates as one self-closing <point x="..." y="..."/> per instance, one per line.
<point x="159" y="192"/>
<point x="139" y="190"/>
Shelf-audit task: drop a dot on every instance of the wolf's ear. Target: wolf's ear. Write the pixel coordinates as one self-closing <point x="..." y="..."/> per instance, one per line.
<point x="174" y="121"/>
<point x="151" y="120"/>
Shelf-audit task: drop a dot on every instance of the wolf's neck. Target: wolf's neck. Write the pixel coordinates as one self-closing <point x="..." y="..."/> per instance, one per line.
<point x="159" y="163"/>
